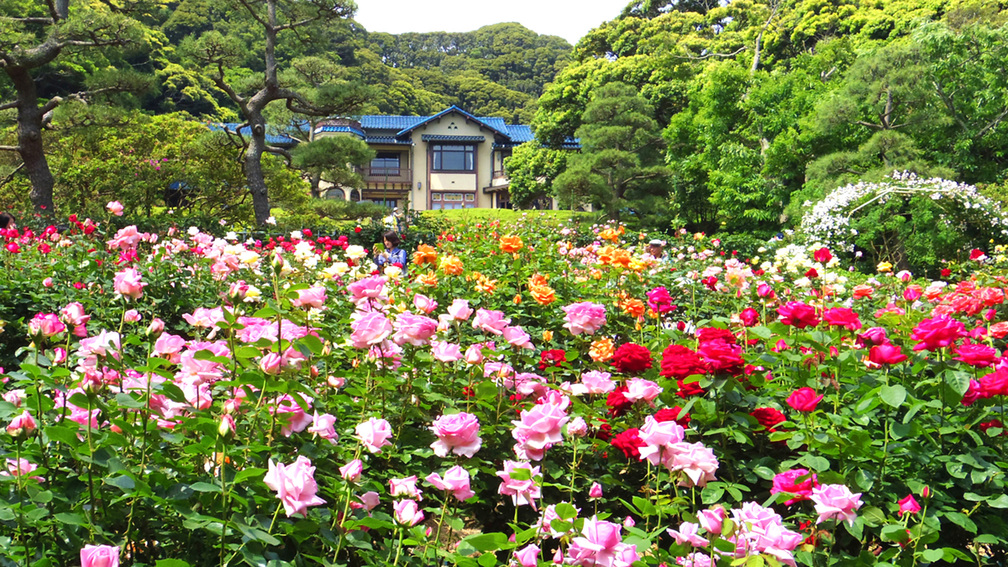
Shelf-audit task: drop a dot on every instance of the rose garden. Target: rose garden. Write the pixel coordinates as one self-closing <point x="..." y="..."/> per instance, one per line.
<point x="513" y="396"/>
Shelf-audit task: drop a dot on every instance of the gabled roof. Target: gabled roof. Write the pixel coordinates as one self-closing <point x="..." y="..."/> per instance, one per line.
<point x="391" y="122"/>
<point x="456" y="110"/>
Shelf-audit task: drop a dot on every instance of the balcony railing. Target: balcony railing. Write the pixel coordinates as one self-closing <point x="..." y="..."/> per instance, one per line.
<point x="396" y="174"/>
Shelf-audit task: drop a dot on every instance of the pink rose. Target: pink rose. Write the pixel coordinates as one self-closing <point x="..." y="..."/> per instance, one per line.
<point x="798" y="482"/>
<point x="73" y="314"/>
<point x="369" y="329"/>
<point x="374" y="434"/>
<point x="842" y="317"/>
<point x="804" y="400"/>
<point x="641" y="389"/>
<point x="370" y="500"/>
<point x="909" y="505"/>
<point x="458" y="433"/>
<point x="312" y="297"/>
<point x="835" y="501"/>
<point x="405" y="487"/>
<point x="886" y="354"/>
<point x="595" y="492"/>
<point x="585" y="317"/>
<point x="22" y="425"/>
<point x="577" y="427"/>
<point x="598" y="382"/>
<point x="295" y="485"/>
<point x="47" y="282"/>
<point x="460" y="310"/>
<point x="45" y="324"/>
<point x="936" y="333"/>
<point x="527" y="556"/>
<point x="115" y="207"/>
<point x="490" y="321"/>
<point x="413" y="329"/>
<point x="598" y="545"/>
<point x="446" y="352"/>
<point x="127" y="283"/>
<point x="99" y="555"/>
<point x="515" y="336"/>
<point x="520" y="491"/>
<point x="407" y="513"/>
<point x="696" y="461"/>
<point x="132" y="316"/>
<point x="539" y="428"/>
<point x="351" y="471"/>
<point x="798" y="314"/>
<point x="658" y="438"/>
<point x="271" y="364"/>
<point x="362" y="291"/>
<point x="424" y="303"/>
<point x="456" y="481"/>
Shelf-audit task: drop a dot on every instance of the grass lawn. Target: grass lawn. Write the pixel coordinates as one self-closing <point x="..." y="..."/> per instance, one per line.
<point x="509" y="216"/>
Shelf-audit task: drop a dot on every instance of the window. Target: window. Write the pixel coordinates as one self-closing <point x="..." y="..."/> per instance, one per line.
<point x="444" y="201"/>
<point x="390" y="203"/>
<point x="453" y="158"/>
<point x="385" y="163"/>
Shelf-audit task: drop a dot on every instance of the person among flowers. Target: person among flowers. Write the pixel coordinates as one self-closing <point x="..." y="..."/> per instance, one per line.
<point x="393" y="255"/>
<point x="656" y="251"/>
<point x="7" y="221"/>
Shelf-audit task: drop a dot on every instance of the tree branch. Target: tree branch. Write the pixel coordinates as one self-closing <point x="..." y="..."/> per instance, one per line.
<point x="709" y="55"/>
<point x="9" y="105"/>
<point x="35" y="20"/>
<point x="10" y="148"/>
<point x="252" y="12"/>
<point x="10" y="177"/>
<point x="280" y="152"/>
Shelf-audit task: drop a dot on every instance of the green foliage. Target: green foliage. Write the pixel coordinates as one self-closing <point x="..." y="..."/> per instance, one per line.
<point x="531" y="170"/>
<point x="620" y="158"/>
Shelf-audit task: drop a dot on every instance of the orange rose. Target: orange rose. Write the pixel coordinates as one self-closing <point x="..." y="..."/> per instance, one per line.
<point x="425" y="254"/>
<point x="510" y="244"/>
<point x="543" y="294"/>
<point x="631" y="306"/>
<point x="451" y="265"/>
<point x="861" y="291"/>
<point x="538" y="280"/>
<point x="601" y="349"/>
<point x="485" y="284"/>
<point x="429" y="280"/>
<point x="547" y="336"/>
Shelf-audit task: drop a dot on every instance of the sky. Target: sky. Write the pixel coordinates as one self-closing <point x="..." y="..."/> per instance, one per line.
<point x="569" y="19"/>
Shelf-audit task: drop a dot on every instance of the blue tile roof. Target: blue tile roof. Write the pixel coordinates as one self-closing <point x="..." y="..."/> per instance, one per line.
<point x="456" y="110"/>
<point x="349" y="129"/>
<point x="397" y="123"/>
<point x="388" y="140"/>
<point x="271" y="138"/>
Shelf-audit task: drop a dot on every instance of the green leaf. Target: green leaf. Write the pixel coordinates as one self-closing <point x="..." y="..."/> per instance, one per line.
<point x="127" y="401"/>
<point x="62" y="434"/>
<point x="122" y="482"/>
<point x="486" y="542"/>
<point x="71" y="518"/>
<point x="815" y="463"/>
<point x="893" y="394"/>
<point x="932" y="555"/>
<point x="645" y="506"/>
<point x="205" y="487"/>
<point x="999" y="502"/>
<point x="171" y="563"/>
<point x="958" y="381"/>
<point x="565" y="511"/>
<point x="487" y="560"/>
<point x="961" y="520"/>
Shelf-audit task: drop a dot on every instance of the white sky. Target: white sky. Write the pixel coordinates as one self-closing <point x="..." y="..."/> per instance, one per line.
<point x="569" y="19"/>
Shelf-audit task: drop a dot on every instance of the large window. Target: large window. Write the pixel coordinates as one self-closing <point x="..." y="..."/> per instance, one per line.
<point x="385" y="163"/>
<point x="454" y="157"/>
<point x="443" y="200"/>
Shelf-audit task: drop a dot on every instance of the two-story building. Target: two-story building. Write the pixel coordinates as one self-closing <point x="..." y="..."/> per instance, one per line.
<point x="451" y="160"/>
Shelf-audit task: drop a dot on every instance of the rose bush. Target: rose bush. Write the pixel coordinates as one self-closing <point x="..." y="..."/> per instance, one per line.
<point x="167" y="395"/>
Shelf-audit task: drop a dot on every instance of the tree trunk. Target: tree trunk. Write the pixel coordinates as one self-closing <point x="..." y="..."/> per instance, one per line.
<point x="254" y="172"/>
<point x="29" y="130"/>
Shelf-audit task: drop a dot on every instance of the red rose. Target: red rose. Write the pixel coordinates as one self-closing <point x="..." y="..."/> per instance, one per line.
<point x="617" y="402"/>
<point x="551" y="358"/>
<point x="749" y="317"/>
<point x="687" y="389"/>
<point x="630" y="443"/>
<point x="675" y="414"/>
<point x="812" y="274"/>
<point x="886" y="354"/>
<point x="977" y="254"/>
<point x="980" y="356"/>
<point x="994" y="384"/>
<point x="604" y="431"/>
<point x="631" y="358"/>
<point x="768" y="417"/>
<point x="946" y="272"/>
<point x="799" y="314"/>
<point x="722" y="357"/>
<point x="933" y="334"/>
<point x="357" y="229"/>
<point x="679" y="362"/>
<point x="842" y="317"/>
<point x="992" y="423"/>
<point x="804" y="400"/>
<point x="822" y="255"/>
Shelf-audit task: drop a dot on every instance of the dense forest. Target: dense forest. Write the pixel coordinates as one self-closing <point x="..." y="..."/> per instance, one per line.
<point x="718" y="116"/>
